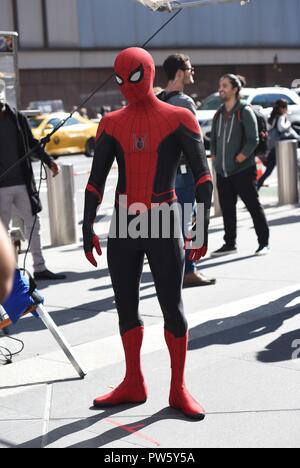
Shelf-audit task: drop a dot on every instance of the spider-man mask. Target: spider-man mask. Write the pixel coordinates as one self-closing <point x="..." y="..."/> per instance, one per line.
<point x="135" y="73"/>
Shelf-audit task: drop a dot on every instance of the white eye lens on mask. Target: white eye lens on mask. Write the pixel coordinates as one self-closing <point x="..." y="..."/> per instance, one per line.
<point x="136" y="77"/>
<point x="119" y="80"/>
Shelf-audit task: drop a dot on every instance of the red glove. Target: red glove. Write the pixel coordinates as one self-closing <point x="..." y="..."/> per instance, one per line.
<point x="94" y="243"/>
<point x="196" y="254"/>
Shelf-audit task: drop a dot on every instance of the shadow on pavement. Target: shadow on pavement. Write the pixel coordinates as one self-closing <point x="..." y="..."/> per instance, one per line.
<point x="117" y="433"/>
<point x="285" y="220"/>
<point x="74" y="277"/>
<point x="71" y="428"/>
<point x="113" y="435"/>
<point x="6" y="444"/>
<point x="65" y="316"/>
<point x="122" y="432"/>
<point x="204" y="264"/>
<point x="51" y="382"/>
<point x="90" y="310"/>
<point x="224" y="331"/>
<point x="72" y="315"/>
<point x="285" y="348"/>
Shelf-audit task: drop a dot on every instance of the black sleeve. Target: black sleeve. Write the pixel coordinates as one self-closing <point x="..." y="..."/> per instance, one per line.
<point x="103" y="161"/>
<point x="194" y="151"/>
<point x="32" y="142"/>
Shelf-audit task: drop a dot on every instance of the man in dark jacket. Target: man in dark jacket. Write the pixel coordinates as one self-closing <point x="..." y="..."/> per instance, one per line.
<point x="234" y="140"/>
<point x="18" y="190"/>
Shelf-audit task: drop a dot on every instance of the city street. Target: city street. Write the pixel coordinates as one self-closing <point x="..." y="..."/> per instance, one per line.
<point x="190" y="96"/>
<point x="243" y="361"/>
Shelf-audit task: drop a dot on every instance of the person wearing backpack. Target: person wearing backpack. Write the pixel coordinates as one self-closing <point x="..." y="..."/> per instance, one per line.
<point x="180" y="73"/>
<point x="234" y="140"/>
<point x="281" y="129"/>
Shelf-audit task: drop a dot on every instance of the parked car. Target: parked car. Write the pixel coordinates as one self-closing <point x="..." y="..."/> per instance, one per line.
<point x="297" y="90"/>
<point x="262" y="98"/>
<point x="78" y="135"/>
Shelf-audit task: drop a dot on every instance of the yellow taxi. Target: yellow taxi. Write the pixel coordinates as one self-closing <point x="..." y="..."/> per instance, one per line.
<point x="78" y="135"/>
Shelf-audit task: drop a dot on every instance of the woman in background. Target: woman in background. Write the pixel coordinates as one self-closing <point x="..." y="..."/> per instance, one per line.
<point x="281" y="129"/>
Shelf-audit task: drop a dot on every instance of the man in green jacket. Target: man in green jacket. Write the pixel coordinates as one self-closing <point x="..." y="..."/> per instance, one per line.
<point x="233" y="142"/>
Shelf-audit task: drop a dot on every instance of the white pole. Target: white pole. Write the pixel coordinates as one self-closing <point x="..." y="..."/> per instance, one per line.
<point x="58" y="336"/>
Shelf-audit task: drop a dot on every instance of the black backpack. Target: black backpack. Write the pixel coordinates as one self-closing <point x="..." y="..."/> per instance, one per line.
<point x="262" y="146"/>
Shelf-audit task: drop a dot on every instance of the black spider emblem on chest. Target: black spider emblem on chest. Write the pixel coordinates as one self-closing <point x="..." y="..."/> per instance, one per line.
<point x="139" y="143"/>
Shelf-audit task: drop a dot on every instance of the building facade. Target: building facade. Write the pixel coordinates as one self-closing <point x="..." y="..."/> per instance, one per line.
<point x="67" y="47"/>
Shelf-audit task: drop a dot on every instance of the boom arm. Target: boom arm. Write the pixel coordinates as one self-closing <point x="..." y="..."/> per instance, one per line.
<point x="163" y="5"/>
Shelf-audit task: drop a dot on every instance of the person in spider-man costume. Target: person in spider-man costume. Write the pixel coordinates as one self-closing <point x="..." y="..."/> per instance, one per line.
<point x="147" y="138"/>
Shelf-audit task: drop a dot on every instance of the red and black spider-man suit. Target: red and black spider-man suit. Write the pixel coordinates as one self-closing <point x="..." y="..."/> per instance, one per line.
<point x="147" y="138"/>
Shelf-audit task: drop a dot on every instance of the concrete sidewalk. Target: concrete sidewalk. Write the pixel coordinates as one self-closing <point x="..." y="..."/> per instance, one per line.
<point x="243" y="362"/>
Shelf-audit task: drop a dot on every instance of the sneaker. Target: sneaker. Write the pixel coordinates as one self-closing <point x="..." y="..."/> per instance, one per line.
<point x="225" y="250"/>
<point x="262" y="250"/>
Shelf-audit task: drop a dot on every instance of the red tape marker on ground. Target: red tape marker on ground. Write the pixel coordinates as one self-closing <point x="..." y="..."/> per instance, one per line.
<point x="133" y="430"/>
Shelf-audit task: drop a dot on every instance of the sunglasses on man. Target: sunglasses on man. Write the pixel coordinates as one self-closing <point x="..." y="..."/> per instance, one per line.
<point x="189" y="69"/>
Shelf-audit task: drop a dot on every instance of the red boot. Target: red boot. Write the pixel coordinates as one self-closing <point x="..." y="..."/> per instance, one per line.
<point x="133" y="388"/>
<point x="180" y="398"/>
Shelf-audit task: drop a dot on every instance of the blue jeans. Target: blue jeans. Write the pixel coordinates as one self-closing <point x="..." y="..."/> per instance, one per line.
<point x="185" y="189"/>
